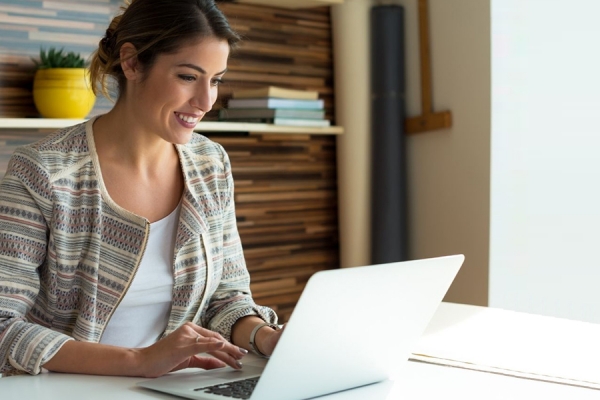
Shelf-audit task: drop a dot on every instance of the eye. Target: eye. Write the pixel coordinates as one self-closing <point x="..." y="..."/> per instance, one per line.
<point x="187" y="78"/>
<point x="217" y="81"/>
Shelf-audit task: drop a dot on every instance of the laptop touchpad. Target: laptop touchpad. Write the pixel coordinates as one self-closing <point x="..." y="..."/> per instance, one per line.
<point x="201" y="378"/>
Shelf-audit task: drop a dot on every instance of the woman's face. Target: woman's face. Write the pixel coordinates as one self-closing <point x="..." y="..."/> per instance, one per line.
<point x="179" y="89"/>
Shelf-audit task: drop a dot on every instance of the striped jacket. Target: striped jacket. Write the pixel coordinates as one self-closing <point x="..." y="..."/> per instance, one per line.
<point x="68" y="253"/>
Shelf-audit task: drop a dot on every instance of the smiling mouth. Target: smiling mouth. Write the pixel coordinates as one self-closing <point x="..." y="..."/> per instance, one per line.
<point x="187" y="119"/>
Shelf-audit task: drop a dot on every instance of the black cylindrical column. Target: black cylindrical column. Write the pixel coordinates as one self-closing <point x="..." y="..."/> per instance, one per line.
<point x="388" y="214"/>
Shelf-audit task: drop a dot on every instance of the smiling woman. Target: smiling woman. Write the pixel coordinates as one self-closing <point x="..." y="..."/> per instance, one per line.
<point x="119" y="251"/>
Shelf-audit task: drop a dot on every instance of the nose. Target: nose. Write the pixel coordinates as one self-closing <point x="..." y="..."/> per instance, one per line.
<point x="204" y="97"/>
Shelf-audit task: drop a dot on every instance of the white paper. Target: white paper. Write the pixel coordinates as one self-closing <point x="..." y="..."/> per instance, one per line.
<point x="513" y="343"/>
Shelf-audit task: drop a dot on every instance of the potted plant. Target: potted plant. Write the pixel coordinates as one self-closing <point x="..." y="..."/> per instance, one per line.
<point x="61" y="86"/>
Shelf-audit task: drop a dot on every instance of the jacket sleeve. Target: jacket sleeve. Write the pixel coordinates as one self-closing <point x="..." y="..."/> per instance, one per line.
<point x="232" y="300"/>
<point x="25" y="200"/>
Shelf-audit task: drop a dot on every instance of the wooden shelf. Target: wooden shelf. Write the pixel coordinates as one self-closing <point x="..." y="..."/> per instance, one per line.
<point x="205" y="126"/>
<point x="293" y="3"/>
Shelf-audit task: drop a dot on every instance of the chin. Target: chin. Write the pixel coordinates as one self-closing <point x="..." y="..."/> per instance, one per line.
<point x="183" y="138"/>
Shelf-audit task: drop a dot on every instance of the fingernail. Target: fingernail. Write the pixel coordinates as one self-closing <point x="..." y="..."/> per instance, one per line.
<point x="244" y="351"/>
<point x="239" y="364"/>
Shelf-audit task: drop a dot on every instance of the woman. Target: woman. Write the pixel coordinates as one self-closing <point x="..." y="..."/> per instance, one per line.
<point x="119" y="252"/>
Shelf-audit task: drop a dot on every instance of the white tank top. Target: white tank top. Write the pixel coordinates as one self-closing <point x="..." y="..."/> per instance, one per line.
<point x="142" y="316"/>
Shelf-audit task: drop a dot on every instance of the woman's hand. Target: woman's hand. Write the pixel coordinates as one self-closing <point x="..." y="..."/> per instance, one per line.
<point x="179" y="350"/>
<point x="266" y="338"/>
<point x="266" y="343"/>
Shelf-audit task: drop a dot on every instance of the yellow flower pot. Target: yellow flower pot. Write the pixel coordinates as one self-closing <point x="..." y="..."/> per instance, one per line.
<point x="63" y="93"/>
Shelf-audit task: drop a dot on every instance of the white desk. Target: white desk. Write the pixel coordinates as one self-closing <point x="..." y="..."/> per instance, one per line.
<point x="418" y="381"/>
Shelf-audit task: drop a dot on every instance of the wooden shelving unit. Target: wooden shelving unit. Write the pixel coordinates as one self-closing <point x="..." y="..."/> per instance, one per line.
<point x="206" y="126"/>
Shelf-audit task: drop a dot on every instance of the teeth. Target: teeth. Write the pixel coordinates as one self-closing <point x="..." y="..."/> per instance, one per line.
<point x="189" y="120"/>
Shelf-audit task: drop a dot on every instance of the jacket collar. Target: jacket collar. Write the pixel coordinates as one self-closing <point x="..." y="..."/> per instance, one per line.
<point x="193" y="218"/>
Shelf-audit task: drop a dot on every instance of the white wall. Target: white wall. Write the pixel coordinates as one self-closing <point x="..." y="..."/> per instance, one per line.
<point x="448" y="170"/>
<point x="545" y="174"/>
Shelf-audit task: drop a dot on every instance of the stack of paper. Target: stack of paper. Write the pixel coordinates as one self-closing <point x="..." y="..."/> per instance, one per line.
<point x="513" y="343"/>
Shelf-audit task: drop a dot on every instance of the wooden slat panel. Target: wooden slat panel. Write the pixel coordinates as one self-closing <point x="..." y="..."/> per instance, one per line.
<point x="281" y="273"/>
<point x="26" y="27"/>
<point x="288" y="48"/>
<point x="276" y="14"/>
<point x="286" y="204"/>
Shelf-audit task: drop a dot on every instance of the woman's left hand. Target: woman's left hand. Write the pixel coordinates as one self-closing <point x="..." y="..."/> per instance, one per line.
<point x="269" y="341"/>
<point x="265" y="339"/>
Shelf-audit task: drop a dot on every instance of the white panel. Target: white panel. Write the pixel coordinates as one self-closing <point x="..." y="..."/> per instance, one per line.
<point x="545" y="171"/>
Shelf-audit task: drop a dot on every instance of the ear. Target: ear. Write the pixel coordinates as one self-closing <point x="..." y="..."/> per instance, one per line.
<point x="129" y="61"/>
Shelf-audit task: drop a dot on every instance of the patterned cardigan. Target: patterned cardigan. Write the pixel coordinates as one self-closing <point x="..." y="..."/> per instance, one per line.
<point x="68" y="252"/>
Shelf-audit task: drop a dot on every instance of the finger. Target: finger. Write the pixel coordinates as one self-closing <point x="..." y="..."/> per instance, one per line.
<point x="233" y="350"/>
<point x="204" y="345"/>
<point x="206" y="363"/>
<point x="200" y="362"/>
<point x="227" y="358"/>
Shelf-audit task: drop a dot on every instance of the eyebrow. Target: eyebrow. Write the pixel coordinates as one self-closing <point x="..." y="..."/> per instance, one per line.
<point x="200" y="69"/>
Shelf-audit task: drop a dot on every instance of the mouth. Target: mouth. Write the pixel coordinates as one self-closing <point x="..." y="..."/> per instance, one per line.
<point x="187" y="119"/>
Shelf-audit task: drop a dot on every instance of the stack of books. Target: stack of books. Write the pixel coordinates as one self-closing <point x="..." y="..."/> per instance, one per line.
<point x="277" y="106"/>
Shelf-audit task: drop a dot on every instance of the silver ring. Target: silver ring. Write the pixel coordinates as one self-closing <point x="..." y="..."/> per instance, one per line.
<point x="198" y="338"/>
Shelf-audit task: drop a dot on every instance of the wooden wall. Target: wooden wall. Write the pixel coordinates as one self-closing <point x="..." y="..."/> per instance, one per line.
<point x="28" y="25"/>
<point x="286" y="188"/>
<point x="286" y="199"/>
<point x="288" y="48"/>
<point x="286" y="191"/>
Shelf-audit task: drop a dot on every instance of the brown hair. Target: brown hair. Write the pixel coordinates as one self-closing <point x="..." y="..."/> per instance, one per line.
<point x="155" y="27"/>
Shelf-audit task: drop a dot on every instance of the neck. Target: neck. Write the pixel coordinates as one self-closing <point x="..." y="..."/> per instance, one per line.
<point x="118" y="136"/>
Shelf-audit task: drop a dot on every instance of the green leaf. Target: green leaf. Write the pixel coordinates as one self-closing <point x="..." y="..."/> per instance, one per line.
<point x="54" y="58"/>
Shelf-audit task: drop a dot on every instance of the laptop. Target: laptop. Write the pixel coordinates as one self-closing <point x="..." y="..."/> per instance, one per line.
<point x="351" y="327"/>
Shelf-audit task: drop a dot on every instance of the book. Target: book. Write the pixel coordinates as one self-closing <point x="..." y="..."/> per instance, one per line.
<point x="277" y="92"/>
<point x="269" y="113"/>
<point x="317" y="123"/>
<point x="270" y="102"/>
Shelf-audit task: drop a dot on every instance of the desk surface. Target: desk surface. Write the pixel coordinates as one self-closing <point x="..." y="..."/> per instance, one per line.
<point x="417" y="381"/>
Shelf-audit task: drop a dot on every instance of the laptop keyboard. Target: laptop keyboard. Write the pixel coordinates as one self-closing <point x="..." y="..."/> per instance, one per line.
<point x="241" y="389"/>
